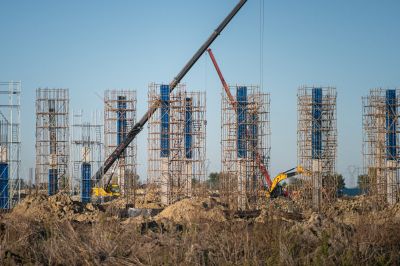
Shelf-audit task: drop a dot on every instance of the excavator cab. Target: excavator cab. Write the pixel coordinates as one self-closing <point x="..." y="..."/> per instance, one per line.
<point x="113" y="190"/>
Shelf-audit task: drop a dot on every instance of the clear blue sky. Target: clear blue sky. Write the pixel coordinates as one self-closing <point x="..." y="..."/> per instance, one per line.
<point x="89" y="46"/>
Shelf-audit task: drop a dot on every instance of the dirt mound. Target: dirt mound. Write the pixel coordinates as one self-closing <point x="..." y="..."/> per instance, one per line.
<point x="60" y="206"/>
<point x="193" y="210"/>
<point x="324" y="234"/>
<point x="352" y="210"/>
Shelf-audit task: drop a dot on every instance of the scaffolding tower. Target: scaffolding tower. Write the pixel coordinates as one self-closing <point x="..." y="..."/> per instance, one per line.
<point x="317" y="144"/>
<point x="52" y="140"/>
<point x="119" y="117"/>
<point x="10" y="144"/>
<point x="245" y="134"/>
<point x="176" y="142"/>
<point x="86" y="153"/>
<point x="380" y="139"/>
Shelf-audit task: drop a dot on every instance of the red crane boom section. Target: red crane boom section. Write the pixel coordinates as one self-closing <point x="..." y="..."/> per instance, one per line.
<point x="259" y="162"/>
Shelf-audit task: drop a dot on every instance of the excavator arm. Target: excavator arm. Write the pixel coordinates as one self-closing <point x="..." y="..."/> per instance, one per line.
<point x="284" y="175"/>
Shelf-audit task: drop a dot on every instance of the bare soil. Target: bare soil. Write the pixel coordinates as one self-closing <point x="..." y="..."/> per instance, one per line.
<point x="198" y="231"/>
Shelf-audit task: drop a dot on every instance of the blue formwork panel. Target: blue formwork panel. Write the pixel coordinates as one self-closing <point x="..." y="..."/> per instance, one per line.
<point x="391" y="113"/>
<point x="53" y="182"/>
<point x="316" y="136"/>
<point x="164" y="125"/>
<point x="188" y="128"/>
<point x="4" y="186"/>
<point x="121" y="119"/>
<point x="241" y="99"/>
<point x="86" y="188"/>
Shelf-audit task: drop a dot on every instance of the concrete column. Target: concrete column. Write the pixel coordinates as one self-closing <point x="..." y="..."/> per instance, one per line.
<point x="165" y="182"/>
<point x="391" y="192"/>
<point x="242" y="200"/>
<point x="316" y="183"/>
<point x="188" y="174"/>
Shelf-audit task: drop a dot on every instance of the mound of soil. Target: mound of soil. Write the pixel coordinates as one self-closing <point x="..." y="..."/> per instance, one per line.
<point x="60" y="206"/>
<point x="193" y="210"/>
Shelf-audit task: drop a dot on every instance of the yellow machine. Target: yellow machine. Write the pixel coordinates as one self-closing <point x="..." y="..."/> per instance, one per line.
<point x="110" y="191"/>
<point x="275" y="190"/>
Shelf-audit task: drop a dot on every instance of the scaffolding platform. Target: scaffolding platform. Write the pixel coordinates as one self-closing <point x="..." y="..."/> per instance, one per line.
<point x="176" y="143"/>
<point x="317" y="145"/>
<point x="245" y="134"/>
<point x="380" y="144"/>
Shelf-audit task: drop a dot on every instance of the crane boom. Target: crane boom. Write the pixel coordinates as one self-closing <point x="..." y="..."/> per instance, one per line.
<point x="139" y="125"/>
<point x="259" y="162"/>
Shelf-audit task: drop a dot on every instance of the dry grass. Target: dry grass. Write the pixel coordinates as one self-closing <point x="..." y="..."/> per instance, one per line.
<point x="317" y="240"/>
<point x="230" y="243"/>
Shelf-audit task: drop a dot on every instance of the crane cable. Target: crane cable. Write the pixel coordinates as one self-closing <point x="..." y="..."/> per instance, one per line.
<point x="261" y="44"/>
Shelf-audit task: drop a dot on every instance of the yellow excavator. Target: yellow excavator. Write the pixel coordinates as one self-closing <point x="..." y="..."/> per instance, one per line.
<point x="111" y="191"/>
<point x="276" y="190"/>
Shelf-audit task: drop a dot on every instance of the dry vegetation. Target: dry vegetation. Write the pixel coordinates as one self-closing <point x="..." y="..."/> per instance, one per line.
<point x="57" y="230"/>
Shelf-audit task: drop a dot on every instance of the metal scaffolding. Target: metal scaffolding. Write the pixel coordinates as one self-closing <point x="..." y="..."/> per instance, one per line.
<point x="245" y="133"/>
<point x="176" y="142"/>
<point x="52" y="140"/>
<point x="317" y="144"/>
<point x="119" y="117"/>
<point x="86" y="153"/>
<point x="10" y="144"/>
<point x="380" y="139"/>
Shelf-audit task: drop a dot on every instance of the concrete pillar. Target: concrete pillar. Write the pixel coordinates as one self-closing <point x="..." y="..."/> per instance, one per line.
<point x="316" y="183"/>
<point x="391" y="192"/>
<point x="188" y="174"/>
<point x="242" y="199"/>
<point x="165" y="182"/>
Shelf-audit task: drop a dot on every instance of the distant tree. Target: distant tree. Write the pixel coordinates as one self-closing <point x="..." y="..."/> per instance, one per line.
<point x="213" y="180"/>
<point x="336" y="182"/>
<point x="195" y="181"/>
<point x="363" y="183"/>
<point x="340" y="184"/>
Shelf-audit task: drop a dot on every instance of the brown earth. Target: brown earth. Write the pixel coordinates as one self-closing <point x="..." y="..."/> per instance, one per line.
<point x="197" y="231"/>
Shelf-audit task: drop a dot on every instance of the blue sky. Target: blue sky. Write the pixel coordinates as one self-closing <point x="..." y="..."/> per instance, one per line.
<point x="90" y="46"/>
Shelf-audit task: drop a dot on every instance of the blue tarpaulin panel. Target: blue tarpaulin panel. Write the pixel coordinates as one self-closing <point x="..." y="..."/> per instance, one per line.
<point x="4" y="186"/>
<point x="188" y="128"/>
<point x="86" y="184"/>
<point x="391" y="124"/>
<point x="53" y="182"/>
<point x="164" y="135"/>
<point x="121" y="119"/>
<point x="241" y="98"/>
<point x="316" y="136"/>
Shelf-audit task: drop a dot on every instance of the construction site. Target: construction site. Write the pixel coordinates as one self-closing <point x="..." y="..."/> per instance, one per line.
<point x="87" y="204"/>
